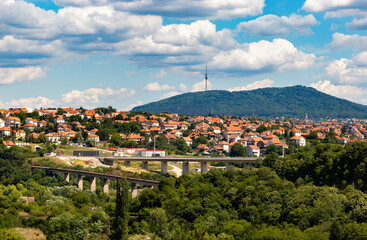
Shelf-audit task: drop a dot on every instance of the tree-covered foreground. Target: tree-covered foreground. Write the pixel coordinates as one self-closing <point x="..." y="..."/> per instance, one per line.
<point x="316" y="193"/>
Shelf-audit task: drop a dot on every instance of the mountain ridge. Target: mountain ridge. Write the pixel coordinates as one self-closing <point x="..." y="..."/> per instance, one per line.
<point x="294" y="101"/>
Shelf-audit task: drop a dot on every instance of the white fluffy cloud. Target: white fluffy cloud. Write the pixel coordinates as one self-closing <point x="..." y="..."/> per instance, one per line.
<point x="272" y="25"/>
<point x="186" y="9"/>
<point x="200" y="86"/>
<point x="263" y="56"/>
<point x="255" y="85"/>
<point x="341" y="8"/>
<point x="161" y="74"/>
<point x="34" y="36"/>
<point x="155" y="86"/>
<point x="12" y="75"/>
<point x="349" y="92"/>
<point x="349" y="70"/>
<point x="131" y="106"/>
<point x="170" y="94"/>
<point x="36" y="102"/>
<point x="93" y="96"/>
<point x="89" y="98"/>
<point x="182" y="87"/>
<point x="327" y="5"/>
<point x="23" y="52"/>
<point x="342" y="41"/>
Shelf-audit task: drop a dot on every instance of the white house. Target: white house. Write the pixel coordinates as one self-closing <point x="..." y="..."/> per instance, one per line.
<point x="53" y="137"/>
<point x="224" y="145"/>
<point x="253" y="150"/>
<point x="12" y="122"/>
<point x="2" y="123"/>
<point x="300" y="141"/>
<point x="188" y="140"/>
<point x="5" y="131"/>
<point x="151" y="153"/>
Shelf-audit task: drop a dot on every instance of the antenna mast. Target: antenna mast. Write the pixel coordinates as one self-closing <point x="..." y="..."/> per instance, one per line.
<point x="206" y="77"/>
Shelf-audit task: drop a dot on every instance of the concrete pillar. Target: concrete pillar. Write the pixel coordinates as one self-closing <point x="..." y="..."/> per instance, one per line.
<point x="185" y="167"/>
<point x="204" y="167"/>
<point x="93" y="184"/>
<point x="144" y="165"/>
<point x="67" y="177"/>
<point x="106" y="182"/>
<point x="134" y="190"/>
<point x="164" y="167"/>
<point x="127" y="163"/>
<point x="246" y="165"/>
<point x="228" y="165"/>
<point x="80" y="182"/>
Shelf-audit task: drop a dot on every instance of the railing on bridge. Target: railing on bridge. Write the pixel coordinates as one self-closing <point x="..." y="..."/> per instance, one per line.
<point x="93" y="175"/>
<point x="184" y="160"/>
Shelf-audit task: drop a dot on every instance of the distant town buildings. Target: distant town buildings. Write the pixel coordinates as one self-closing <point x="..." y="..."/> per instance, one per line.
<point x="83" y="126"/>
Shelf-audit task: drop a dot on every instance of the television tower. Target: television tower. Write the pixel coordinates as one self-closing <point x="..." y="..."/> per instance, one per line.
<point x="206" y="77"/>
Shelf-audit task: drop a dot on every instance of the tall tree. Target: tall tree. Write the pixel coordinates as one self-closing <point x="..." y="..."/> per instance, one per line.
<point x="120" y="222"/>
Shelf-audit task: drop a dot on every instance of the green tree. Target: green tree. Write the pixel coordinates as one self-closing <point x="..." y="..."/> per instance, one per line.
<point x="120" y="221"/>
<point x="237" y="150"/>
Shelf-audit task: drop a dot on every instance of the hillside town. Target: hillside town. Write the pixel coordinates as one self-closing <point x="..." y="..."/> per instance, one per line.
<point x="199" y="135"/>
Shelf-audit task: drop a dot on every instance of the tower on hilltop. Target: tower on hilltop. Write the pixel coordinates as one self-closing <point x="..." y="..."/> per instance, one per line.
<point x="206" y="77"/>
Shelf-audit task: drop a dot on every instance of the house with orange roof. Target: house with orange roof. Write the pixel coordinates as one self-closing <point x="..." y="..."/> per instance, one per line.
<point x="5" y="131"/>
<point x="12" y="122"/>
<point x="224" y="145"/>
<point x="30" y="126"/>
<point x="296" y="132"/>
<point x="188" y="140"/>
<point x="8" y="144"/>
<point x="31" y="120"/>
<point x="42" y="123"/>
<point x="299" y="140"/>
<point x="59" y="120"/>
<point x="277" y="142"/>
<point x="19" y="134"/>
<point x="93" y="137"/>
<point x="341" y="140"/>
<point x="53" y="137"/>
<point x="2" y="123"/>
<point x="134" y="137"/>
<point x="215" y="129"/>
<point x="202" y="147"/>
<point x="253" y="150"/>
<point x="177" y="133"/>
<point x="156" y="130"/>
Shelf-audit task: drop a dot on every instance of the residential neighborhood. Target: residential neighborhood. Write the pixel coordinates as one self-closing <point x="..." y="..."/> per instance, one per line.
<point x="176" y="134"/>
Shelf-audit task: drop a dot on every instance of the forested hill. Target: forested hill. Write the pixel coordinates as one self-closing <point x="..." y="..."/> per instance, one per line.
<point x="293" y="101"/>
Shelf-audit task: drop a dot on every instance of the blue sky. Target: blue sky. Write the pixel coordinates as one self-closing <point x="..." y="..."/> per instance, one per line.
<point x="92" y="53"/>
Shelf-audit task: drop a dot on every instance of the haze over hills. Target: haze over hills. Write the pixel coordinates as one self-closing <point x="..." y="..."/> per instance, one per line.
<point x="293" y="101"/>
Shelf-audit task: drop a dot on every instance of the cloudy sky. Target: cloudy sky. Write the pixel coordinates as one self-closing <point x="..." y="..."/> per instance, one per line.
<point x="125" y="53"/>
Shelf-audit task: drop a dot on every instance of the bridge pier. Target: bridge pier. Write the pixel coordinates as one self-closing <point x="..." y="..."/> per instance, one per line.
<point x="185" y="167"/>
<point x="67" y="177"/>
<point x="80" y="181"/>
<point x="144" y="165"/>
<point x="106" y="182"/>
<point x="164" y="167"/>
<point x="93" y="184"/>
<point x="246" y="165"/>
<point x="134" y="190"/>
<point x="127" y="163"/>
<point x="204" y="167"/>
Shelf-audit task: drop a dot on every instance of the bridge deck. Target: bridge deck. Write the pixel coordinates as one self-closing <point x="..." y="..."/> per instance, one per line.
<point x="101" y="175"/>
<point x="181" y="159"/>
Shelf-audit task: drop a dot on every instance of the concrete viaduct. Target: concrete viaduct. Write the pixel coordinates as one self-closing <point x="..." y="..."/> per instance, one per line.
<point x="93" y="175"/>
<point x="184" y="160"/>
